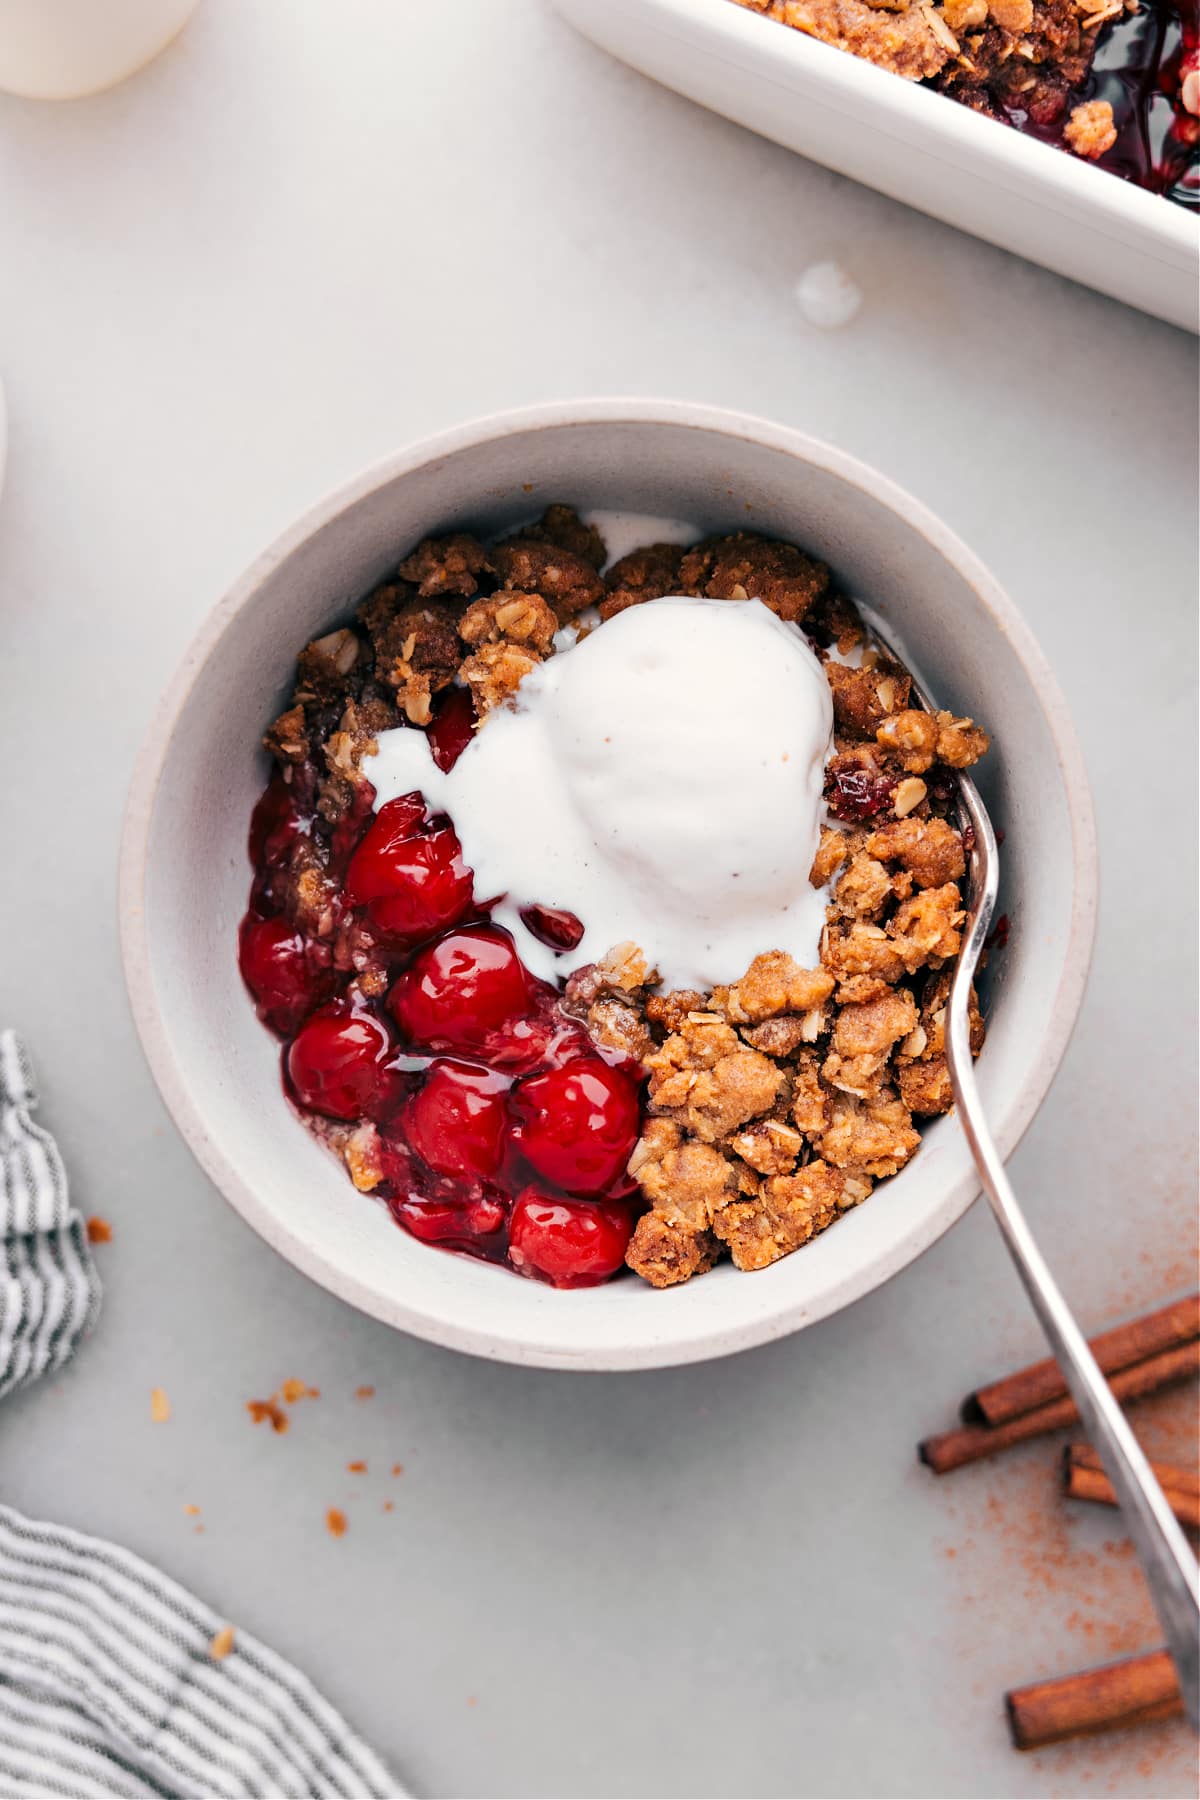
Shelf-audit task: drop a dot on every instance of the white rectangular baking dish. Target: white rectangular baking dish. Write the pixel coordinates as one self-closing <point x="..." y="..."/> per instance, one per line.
<point x="912" y="144"/>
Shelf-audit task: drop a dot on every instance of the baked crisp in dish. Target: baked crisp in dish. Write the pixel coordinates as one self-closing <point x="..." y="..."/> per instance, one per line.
<point x="1116" y="82"/>
<point x="573" y="1123"/>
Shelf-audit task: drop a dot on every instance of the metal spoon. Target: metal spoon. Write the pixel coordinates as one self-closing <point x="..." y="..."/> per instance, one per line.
<point x="1171" y="1570"/>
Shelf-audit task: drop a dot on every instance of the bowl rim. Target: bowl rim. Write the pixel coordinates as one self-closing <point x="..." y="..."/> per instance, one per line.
<point x="1061" y="1012"/>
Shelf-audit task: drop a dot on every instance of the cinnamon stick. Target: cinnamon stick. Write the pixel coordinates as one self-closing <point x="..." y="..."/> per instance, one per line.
<point x="1133" y="1692"/>
<point x="1042" y="1382"/>
<point x="1084" y="1478"/>
<point x="968" y="1443"/>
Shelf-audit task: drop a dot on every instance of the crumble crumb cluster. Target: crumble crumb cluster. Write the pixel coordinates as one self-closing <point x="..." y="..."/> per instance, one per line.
<point x="774" y="1104"/>
<point x="999" y="57"/>
<point x="454" y="611"/>
<point x="1090" y="130"/>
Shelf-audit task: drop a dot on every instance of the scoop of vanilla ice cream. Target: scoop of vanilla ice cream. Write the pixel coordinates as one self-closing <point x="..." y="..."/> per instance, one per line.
<point x="661" y="780"/>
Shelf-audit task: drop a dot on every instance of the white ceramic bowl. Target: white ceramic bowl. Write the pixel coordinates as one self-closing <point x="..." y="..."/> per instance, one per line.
<point x="185" y="875"/>
<point x="914" y="144"/>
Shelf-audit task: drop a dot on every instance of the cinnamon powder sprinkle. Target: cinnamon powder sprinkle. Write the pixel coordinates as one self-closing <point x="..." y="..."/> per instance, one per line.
<point x="191" y="1511"/>
<point x="364" y="1393"/>
<point x="357" y="1468"/>
<point x="335" y="1522"/>
<point x="389" y="1506"/>
<point x="99" y="1231"/>
<point x="222" y="1643"/>
<point x="270" y="1410"/>
<point x="160" y="1406"/>
<point x="397" y="1468"/>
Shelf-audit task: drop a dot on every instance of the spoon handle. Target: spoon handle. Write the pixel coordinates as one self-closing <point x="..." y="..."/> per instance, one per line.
<point x="1168" y="1564"/>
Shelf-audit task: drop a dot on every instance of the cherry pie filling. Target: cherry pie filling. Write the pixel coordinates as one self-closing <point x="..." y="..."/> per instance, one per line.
<point x="499" y="1128"/>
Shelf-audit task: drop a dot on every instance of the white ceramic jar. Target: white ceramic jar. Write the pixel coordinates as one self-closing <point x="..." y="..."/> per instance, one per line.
<point x="63" y="49"/>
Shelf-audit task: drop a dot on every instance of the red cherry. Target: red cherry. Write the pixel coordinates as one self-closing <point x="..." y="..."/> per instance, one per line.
<point x="553" y="926"/>
<point x="452" y="728"/>
<point x="568" y="1242"/>
<point x="855" y="788"/>
<point x="459" y="993"/>
<point x="412" y="882"/>
<point x="368" y="877"/>
<point x="433" y="886"/>
<point x="274" y="967"/>
<point x="440" y="1208"/>
<point x="543" y="1038"/>
<point x="339" y="1064"/>
<point x="441" y="1222"/>
<point x="1048" y="105"/>
<point x="577" y="1125"/>
<point x="455" y="1121"/>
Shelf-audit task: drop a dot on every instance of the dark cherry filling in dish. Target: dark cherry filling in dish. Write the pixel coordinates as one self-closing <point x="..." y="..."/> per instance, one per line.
<point x="494" y="1124"/>
<point x="1139" y="67"/>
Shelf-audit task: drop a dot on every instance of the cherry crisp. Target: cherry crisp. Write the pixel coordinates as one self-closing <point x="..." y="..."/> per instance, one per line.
<point x="576" y="1129"/>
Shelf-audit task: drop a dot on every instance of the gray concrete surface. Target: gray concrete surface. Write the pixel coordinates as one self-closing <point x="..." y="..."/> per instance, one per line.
<point x="306" y="235"/>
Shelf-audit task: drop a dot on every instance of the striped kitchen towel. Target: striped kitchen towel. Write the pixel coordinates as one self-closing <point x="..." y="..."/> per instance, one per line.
<point x="113" y="1679"/>
<point x="49" y="1289"/>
